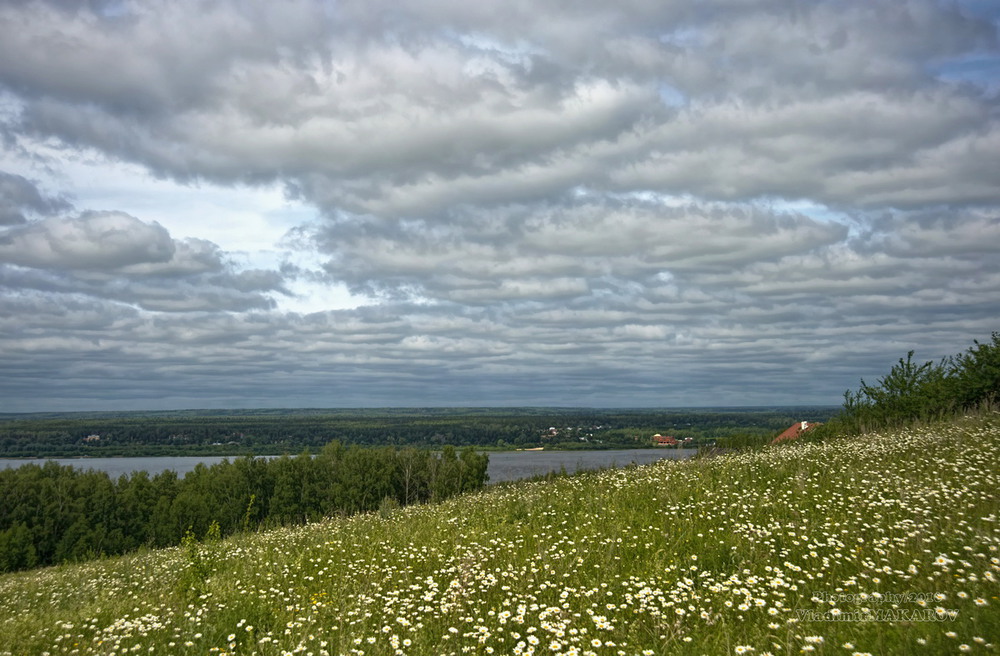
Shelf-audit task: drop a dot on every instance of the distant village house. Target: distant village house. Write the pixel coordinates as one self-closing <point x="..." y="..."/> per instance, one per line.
<point x="794" y="431"/>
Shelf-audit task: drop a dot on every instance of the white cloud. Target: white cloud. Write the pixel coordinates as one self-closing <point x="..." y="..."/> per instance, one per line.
<point x="114" y="256"/>
<point x="91" y="241"/>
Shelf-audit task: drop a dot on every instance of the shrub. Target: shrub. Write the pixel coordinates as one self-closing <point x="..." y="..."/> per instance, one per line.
<point x="913" y="392"/>
<point x="977" y="375"/>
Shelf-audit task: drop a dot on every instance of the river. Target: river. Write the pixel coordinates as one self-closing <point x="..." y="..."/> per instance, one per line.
<point x="504" y="465"/>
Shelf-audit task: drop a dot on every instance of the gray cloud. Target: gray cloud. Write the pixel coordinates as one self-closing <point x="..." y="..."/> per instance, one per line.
<point x="115" y="256"/>
<point x="632" y="203"/>
<point x="94" y="240"/>
<point x="20" y="198"/>
<point x="547" y="251"/>
<point x="406" y="117"/>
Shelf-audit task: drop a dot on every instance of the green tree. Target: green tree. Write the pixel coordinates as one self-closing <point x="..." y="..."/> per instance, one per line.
<point x="977" y="374"/>
<point x="137" y="500"/>
<point x="164" y="528"/>
<point x="472" y="469"/>
<point x="285" y="503"/>
<point x="445" y="475"/>
<point x="17" y="549"/>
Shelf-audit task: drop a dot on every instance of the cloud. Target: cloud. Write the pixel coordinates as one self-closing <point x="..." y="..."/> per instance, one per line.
<point x="632" y="203"/>
<point x="940" y="234"/>
<point x="565" y="250"/>
<point x="94" y="240"/>
<point x="407" y="117"/>
<point x="116" y="256"/>
<point x="20" y="198"/>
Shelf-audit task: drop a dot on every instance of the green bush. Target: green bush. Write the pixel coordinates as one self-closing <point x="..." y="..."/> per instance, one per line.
<point x="977" y="375"/>
<point x="912" y="392"/>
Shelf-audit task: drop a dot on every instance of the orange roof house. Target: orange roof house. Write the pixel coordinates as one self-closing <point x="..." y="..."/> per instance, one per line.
<point x="665" y="440"/>
<point x="794" y="431"/>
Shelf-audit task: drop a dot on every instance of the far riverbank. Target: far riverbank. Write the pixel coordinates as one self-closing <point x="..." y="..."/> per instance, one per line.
<point x="504" y="465"/>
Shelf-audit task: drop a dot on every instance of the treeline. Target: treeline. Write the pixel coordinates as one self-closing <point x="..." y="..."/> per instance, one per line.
<point x="922" y="392"/>
<point x="276" y="431"/>
<point x="53" y="514"/>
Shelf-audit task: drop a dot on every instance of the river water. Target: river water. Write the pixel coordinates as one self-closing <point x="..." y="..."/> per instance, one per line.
<point x="504" y="465"/>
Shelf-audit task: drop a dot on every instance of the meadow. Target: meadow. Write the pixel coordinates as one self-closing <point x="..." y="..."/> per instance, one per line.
<point x="877" y="544"/>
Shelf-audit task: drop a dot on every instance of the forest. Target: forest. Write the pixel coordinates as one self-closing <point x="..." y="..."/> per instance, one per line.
<point x="273" y="432"/>
<point x="54" y="514"/>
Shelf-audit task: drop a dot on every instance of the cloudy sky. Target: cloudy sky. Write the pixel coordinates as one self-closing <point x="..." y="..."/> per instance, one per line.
<point x="319" y="203"/>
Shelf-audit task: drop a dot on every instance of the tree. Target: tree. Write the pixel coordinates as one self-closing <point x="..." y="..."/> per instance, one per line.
<point x="164" y="528"/>
<point x="977" y="374"/>
<point x="17" y="549"/>
<point x="445" y="475"/>
<point x="135" y="510"/>
<point x="473" y="468"/>
<point x="921" y="392"/>
<point x="285" y="507"/>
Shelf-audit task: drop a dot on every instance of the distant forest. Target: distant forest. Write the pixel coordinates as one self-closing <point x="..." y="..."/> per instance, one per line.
<point x="274" y="432"/>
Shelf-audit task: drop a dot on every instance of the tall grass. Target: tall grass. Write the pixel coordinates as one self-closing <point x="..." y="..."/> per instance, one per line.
<point x="882" y="544"/>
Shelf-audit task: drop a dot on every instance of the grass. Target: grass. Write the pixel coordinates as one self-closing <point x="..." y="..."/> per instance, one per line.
<point x="881" y="544"/>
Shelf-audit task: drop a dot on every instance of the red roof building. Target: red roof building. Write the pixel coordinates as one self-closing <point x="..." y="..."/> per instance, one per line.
<point x="665" y="440"/>
<point x="794" y="431"/>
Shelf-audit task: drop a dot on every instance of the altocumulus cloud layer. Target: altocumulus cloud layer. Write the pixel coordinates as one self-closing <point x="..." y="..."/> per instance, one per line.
<point x="632" y="203"/>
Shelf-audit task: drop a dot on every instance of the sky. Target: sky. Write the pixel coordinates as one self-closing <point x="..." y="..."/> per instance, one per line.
<point x="371" y="203"/>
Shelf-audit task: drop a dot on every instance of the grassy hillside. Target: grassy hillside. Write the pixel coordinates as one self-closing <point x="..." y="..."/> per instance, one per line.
<point x="885" y="544"/>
